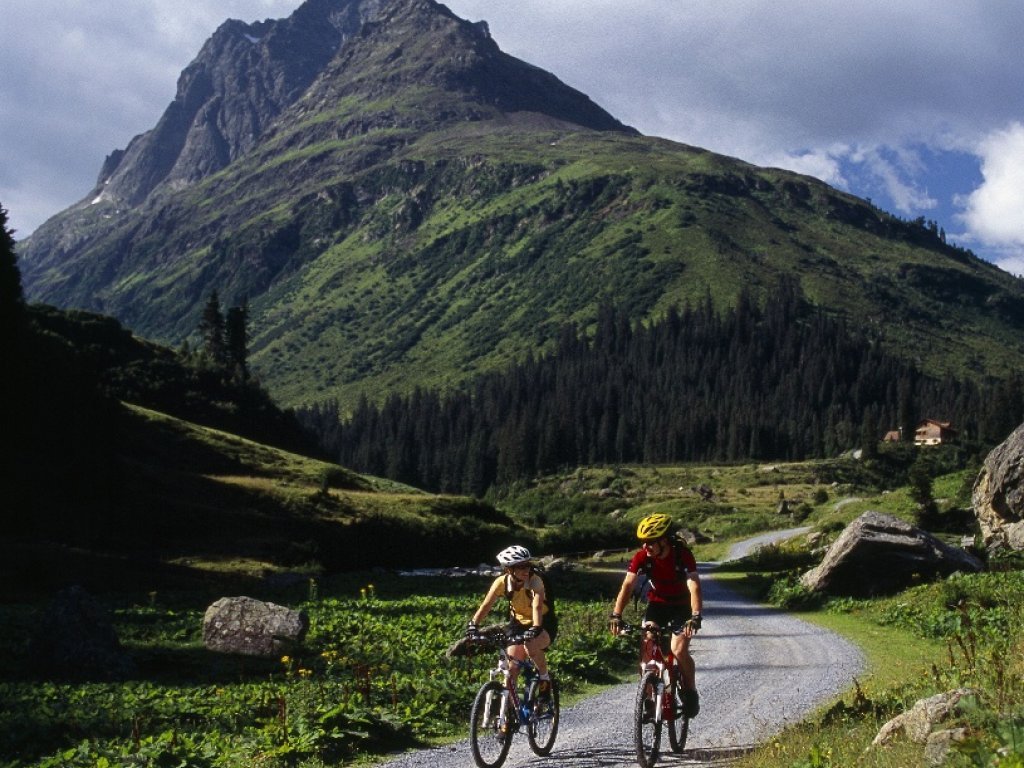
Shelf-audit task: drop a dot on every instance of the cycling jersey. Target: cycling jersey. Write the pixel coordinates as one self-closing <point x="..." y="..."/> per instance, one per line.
<point x="521" y="600"/>
<point x="668" y="585"/>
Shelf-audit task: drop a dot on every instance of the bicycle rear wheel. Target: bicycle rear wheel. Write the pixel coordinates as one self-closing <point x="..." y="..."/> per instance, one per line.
<point x="647" y="720"/>
<point x="676" y="720"/>
<point x="489" y="713"/>
<point x="543" y="725"/>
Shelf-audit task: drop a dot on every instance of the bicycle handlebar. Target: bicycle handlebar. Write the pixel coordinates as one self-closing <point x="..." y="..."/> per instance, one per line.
<point x="497" y="638"/>
<point x="628" y="629"/>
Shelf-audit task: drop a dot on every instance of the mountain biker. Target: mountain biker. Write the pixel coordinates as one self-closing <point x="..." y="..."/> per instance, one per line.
<point x="674" y="599"/>
<point x="529" y="612"/>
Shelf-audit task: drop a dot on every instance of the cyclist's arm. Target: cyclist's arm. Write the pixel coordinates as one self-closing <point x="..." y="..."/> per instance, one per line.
<point x="497" y="590"/>
<point x="696" y="600"/>
<point x="537" y="604"/>
<point x="622" y="600"/>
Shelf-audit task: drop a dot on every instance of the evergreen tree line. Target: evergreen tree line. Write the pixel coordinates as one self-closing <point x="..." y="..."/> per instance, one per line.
<point x="225" y="337"/>
<point x="778" y="381"/>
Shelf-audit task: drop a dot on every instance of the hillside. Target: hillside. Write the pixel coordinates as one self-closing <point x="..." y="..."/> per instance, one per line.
<point x="104" y="492"/>
<point x="418" y="207"/>
<point x="183" y="505"/>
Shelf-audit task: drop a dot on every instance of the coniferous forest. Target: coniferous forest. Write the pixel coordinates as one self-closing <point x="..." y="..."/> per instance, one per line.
<point x="772" y="381"/>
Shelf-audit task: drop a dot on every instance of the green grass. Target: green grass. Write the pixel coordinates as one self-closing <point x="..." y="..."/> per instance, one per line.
<point x="371" y="677"/>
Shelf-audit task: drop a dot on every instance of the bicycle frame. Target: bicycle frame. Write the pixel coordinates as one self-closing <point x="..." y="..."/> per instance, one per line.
<point x="653" y="658"/>
<point x="520" y="706"/>
<point x="652" y="654"/>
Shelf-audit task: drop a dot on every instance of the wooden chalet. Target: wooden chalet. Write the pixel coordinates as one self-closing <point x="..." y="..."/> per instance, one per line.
<point x="933" y="432"/>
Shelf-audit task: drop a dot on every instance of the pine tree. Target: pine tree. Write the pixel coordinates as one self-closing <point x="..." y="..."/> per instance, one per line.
<point x="211" y="328"/>
<point x="237" y="340"/>
<point x="12" y="300"/>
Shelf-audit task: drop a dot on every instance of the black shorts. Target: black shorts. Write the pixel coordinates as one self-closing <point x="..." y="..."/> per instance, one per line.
<point x="550" y="624"/>
<point x="668" y="615"/>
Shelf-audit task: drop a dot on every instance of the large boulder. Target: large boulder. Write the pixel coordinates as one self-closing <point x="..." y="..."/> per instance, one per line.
<point x="251" y="627"/>
<point x="998" y="496"/>
<point x="880" y="554"/>
<point x="74" y="638"/>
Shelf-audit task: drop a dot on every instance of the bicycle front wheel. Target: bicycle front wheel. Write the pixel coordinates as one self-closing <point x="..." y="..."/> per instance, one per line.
<point x="647" y="720"/>
<point x="490" y="726"/>
<point x="675" y="718"/>
<point x="543" y="726"/>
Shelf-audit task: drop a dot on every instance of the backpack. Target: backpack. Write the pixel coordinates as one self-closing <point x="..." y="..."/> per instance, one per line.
<point x="642" y="586"/>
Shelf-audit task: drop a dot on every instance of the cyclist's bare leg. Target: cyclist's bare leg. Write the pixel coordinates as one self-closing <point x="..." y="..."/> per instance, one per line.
<point x="687" y="669"/>
<point x="516" y="653"/>
<point x="536" y="649"/>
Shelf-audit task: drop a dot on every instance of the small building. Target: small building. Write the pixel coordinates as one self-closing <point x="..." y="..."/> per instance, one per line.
<point x="934" y="432"/>
<point x="893" y="436"/>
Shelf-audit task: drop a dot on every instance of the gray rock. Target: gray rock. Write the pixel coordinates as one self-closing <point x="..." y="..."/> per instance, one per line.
<point x="74" y="638"/>
<point x="879" y="554"/>
<point x="918" y="722"/>
<point x="998" y="495"/>
<point x="939" y="743"/>
<point x="251" y="627"/>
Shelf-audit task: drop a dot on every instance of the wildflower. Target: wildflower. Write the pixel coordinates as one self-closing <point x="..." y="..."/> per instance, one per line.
<point x="303" y="672"/>
<point x="286" y="660"/>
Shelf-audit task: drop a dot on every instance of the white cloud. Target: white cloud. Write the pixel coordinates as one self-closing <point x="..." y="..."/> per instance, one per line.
<point x="994" y="212"/>
<point x="1014" y="264"/>
<point x="821" y="164"/>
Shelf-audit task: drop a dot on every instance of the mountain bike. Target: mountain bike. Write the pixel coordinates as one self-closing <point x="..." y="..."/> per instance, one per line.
<point x="659" y="697"/>
<point x="502" y="709"/>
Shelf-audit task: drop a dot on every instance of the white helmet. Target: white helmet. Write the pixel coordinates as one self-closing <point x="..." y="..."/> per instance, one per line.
<point x="514" y="555"/>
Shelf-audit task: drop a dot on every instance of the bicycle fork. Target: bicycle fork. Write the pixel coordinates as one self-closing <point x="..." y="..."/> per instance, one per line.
<point x="661" y="701"/>
<point x="503" y="711"/>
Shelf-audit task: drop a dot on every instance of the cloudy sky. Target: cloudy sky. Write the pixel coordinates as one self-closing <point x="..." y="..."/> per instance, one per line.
<point x="911" y="103"/>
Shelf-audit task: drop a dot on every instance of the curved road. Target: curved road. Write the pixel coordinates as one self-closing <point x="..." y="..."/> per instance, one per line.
<point x="747" y="546"/>
<point x="758" y="669"/>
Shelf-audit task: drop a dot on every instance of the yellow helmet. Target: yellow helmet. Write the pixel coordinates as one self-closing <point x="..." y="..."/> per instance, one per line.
<point x="653" y="526"/>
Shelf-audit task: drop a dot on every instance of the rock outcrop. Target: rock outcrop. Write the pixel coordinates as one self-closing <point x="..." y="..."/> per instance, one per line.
<point x="998" y="496"/>
<point x="918" y="724"/>
<point x="880" y="554"/>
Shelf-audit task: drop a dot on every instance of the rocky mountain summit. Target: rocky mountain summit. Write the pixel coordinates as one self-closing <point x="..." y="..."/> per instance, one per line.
<point x="247" y="75"/>
<point x="243" y="78"/>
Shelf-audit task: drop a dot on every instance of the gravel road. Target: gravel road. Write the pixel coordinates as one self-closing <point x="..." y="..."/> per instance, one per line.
<point x="758" y="669"/>
<point x="744" y="548"/>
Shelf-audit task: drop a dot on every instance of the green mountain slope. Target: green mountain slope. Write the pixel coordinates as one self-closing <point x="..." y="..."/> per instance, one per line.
<point x="103" y="492"/>
<point x="430" y="208"/>
<point x="184" y="505"/>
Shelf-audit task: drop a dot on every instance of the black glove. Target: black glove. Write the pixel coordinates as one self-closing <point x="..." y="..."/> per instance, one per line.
<point x="532" y="632"/>
<point x="472" y="630"/>
<point x="694" y="621"/>
<point x="615" y="620"/>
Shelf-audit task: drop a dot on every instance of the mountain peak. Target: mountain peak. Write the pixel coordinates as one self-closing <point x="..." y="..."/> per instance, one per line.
<point x="247" y="75"/>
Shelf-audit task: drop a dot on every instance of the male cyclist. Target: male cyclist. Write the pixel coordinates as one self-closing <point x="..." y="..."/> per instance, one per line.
<point x="529" y="612"/>
<point x="674" y="600"/>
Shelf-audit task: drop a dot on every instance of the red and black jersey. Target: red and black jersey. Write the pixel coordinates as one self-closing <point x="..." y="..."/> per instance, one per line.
<point x="667" y="574"/>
